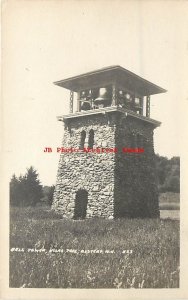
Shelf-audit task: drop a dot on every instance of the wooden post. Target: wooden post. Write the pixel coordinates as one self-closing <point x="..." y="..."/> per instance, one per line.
<point x="148" y="106"/>
<point x="71" y="102"/>
<point x="78" y="101"/>
<point x="114" y="96"/>
<point x="142" y="105"/>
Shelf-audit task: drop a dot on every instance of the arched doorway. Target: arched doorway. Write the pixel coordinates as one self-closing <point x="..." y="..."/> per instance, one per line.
<point x="81" y="200"/>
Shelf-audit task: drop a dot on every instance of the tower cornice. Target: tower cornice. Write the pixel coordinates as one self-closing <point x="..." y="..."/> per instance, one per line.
<point x="107" y="110"/>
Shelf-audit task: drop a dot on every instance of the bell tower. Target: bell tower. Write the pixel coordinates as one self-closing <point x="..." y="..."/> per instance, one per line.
<point x="107" y="161"/>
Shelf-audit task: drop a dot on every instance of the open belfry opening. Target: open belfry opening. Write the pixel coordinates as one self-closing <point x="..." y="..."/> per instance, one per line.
<point x="113" y="111"/>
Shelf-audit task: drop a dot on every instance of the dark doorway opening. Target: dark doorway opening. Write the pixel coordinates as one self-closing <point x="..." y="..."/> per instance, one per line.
<point x="81" y="204"/>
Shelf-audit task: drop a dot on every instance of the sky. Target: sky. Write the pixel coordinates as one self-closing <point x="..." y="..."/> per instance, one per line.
<point x="46" y="41"/>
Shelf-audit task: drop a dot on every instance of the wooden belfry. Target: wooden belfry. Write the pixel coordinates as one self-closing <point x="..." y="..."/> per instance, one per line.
<point x="113" y="111"/>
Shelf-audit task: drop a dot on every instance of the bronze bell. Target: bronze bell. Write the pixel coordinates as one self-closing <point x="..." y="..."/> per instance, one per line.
<point x="85" y="105"/>
<point x="128" y="97"/>
<point x="137" y="102"/>
<point x="103" y="97"/>
<point x="83" y="94"/>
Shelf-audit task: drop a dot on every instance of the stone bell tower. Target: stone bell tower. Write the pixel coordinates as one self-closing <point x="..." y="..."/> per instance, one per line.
<point x="98" y="174"/>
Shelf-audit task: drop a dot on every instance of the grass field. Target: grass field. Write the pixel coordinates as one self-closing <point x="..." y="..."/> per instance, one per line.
<point x="95" y="253"/>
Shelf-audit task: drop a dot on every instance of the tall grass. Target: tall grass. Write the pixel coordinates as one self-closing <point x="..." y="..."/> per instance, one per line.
<point x="154" y="262"/>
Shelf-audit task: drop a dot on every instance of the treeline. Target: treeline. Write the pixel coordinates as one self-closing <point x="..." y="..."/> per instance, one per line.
<point x="27" y="190"/>
<point x="168" y="173"/>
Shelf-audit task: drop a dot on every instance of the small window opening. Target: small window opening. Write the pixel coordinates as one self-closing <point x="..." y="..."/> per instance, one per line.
<point x="82" y="139"/>
<point x="91" y="139"/>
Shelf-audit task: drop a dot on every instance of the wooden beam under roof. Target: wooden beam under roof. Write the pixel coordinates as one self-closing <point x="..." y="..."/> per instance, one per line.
<point x="111" y="75"/>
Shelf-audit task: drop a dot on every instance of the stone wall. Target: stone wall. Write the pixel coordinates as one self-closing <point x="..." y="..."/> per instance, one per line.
<point x="118" y="184"/>
<point x="135" y="192"/>
<point x="92" y="172"/>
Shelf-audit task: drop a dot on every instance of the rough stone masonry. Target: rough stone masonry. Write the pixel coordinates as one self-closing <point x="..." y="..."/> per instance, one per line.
<point x="114" y="185"/>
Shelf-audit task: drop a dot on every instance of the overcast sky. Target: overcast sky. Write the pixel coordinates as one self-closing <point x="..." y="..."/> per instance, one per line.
<point x="46" y="41"/>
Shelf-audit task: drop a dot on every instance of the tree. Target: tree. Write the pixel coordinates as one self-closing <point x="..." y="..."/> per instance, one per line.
<point x="173" y="184"/>
<point x="168" y="172"/>
<point x="48" y="192"/>
<point x="25" y="190"/>
<point x="161" y="166"/>
<point x="14" y="190"/>
<point x="32" y="188"/>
